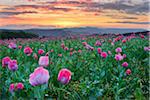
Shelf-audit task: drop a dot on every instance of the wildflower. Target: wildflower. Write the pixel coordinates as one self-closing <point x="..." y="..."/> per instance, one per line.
<point x="71" y="53"/>
<point x="88" y="47"/>
<point x="99" y="50"/>
<point x="66" y="48"/>
<point x="104" y="54"/>
<point x="118" y="57"/>
<point x="12" y="45"/>
<point x="5" y="61"/>
<point x="12" y="65"/>
<point x="35" y="56"/>
<point x="124" y="56"/>
<point x="79" y="51"/>
<point x="112" y="43"/>
<point x="12" y="87"/>
<point x="109" y="52"/>
<point x="125" y="64"/>
<point x="64" y="76"/>
<point x="98" y="43"/>
<point x="84" y="43"/>
<point x="20" y="47"/>
<point x="142" y="36"/>
<point x="60" y="55"/>
<point x="44" y="61"/>
<point x="118" y="50"/>
<point x="63" y="45"/>
<point x="20" y="86"/>
<point x="146" y="48"/>
<point x="28" y="51"/>
<point x="128" y="71"/>
<point x="124" y="41"/>
<point x="39" y="76"/>
<point x="40" y="51"/>
<point x="71" y="49"/>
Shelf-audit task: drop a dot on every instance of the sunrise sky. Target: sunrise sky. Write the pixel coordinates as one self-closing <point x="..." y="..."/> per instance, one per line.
<point x="24" y="14"/>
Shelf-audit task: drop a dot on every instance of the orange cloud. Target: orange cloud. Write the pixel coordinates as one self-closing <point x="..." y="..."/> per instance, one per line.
<point x="73" y="13"/>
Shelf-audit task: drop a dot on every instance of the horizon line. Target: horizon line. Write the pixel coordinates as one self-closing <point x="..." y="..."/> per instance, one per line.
<point x="69" y="28"/>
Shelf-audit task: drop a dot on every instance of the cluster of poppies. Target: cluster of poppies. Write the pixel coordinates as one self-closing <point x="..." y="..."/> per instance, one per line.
<point x="118" y="50"/>
<point x="87" y="46"/>
<point x="40" y="75"/>
<point x="103" y="54"/>
<point x="120" y="57"/>
<point x="16" y="86"/>
<point x="12" y="64"/>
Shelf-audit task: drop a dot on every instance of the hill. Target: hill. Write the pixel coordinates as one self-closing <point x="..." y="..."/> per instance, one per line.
<point x="64" y="32"/>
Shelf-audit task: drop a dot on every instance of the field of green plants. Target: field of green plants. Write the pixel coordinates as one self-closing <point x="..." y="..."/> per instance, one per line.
<point x="111" y="67"/>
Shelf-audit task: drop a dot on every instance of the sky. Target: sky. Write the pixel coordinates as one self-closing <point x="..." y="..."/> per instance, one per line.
<point x="25" y="14"/>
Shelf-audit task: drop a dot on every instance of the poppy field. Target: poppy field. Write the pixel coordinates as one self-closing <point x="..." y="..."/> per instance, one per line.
<point x="110" y="67"/>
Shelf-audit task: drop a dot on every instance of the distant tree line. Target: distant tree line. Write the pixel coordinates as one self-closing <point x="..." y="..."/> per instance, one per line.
<point x="16" y="34"/>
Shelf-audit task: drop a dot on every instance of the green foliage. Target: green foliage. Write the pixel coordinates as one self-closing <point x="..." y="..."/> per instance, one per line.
<point x="18" y="34"/>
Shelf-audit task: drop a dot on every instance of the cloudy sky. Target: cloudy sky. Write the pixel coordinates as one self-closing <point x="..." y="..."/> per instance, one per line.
<point x="18" y="14"/>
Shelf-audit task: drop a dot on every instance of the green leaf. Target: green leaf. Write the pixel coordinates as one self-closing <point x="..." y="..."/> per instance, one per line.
<point x="138" y="94"/>
<point x="102" y="74"/>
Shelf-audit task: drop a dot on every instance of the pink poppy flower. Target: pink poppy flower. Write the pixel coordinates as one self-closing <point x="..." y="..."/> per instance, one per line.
<point x="128" y="71"/>
<point x="39" y="76"/>
<point x="99" y="50"/>
<point x="83" y="38"/>
<point x="60" y="55"/>
<point x="12" y="45"/>
<point x="71" y="49"/>
<point x="118" y="50"/>
<point x="98" y="43"/>
<point x="64" y="76"/>
<point x="44" y="61"/>
<point x="5" y="61"/>
<point x="118" y="38"/>
<point x="112" y="43"/>
<point x="47" y="54"/>
<point x="12" y="87"/>
<point x="118" y="57"/>
<point x="88" y="47"/>
<point x="84" y="43"/>
<point x="28" y="50"/>
<point x="142" y="36"/>
<point x="79" y="51"/>
<point x="109" y="52"/>
<point x="124" y="41"/>
<point x="12" y="65"/>
<point x="40" y="51"/>
<point x="20" y="86"/>
<point x="146" y="48"/>
<point x="124" y="56"/>
<point x="104" y="54"/>
<point x="35" y="56"/>
<point x="66" y="48"/>
<point x="125" y="64"/>
<point x="71" y="53"/>
<point x="20" y="47"/>
<point x="63" y="45"/>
